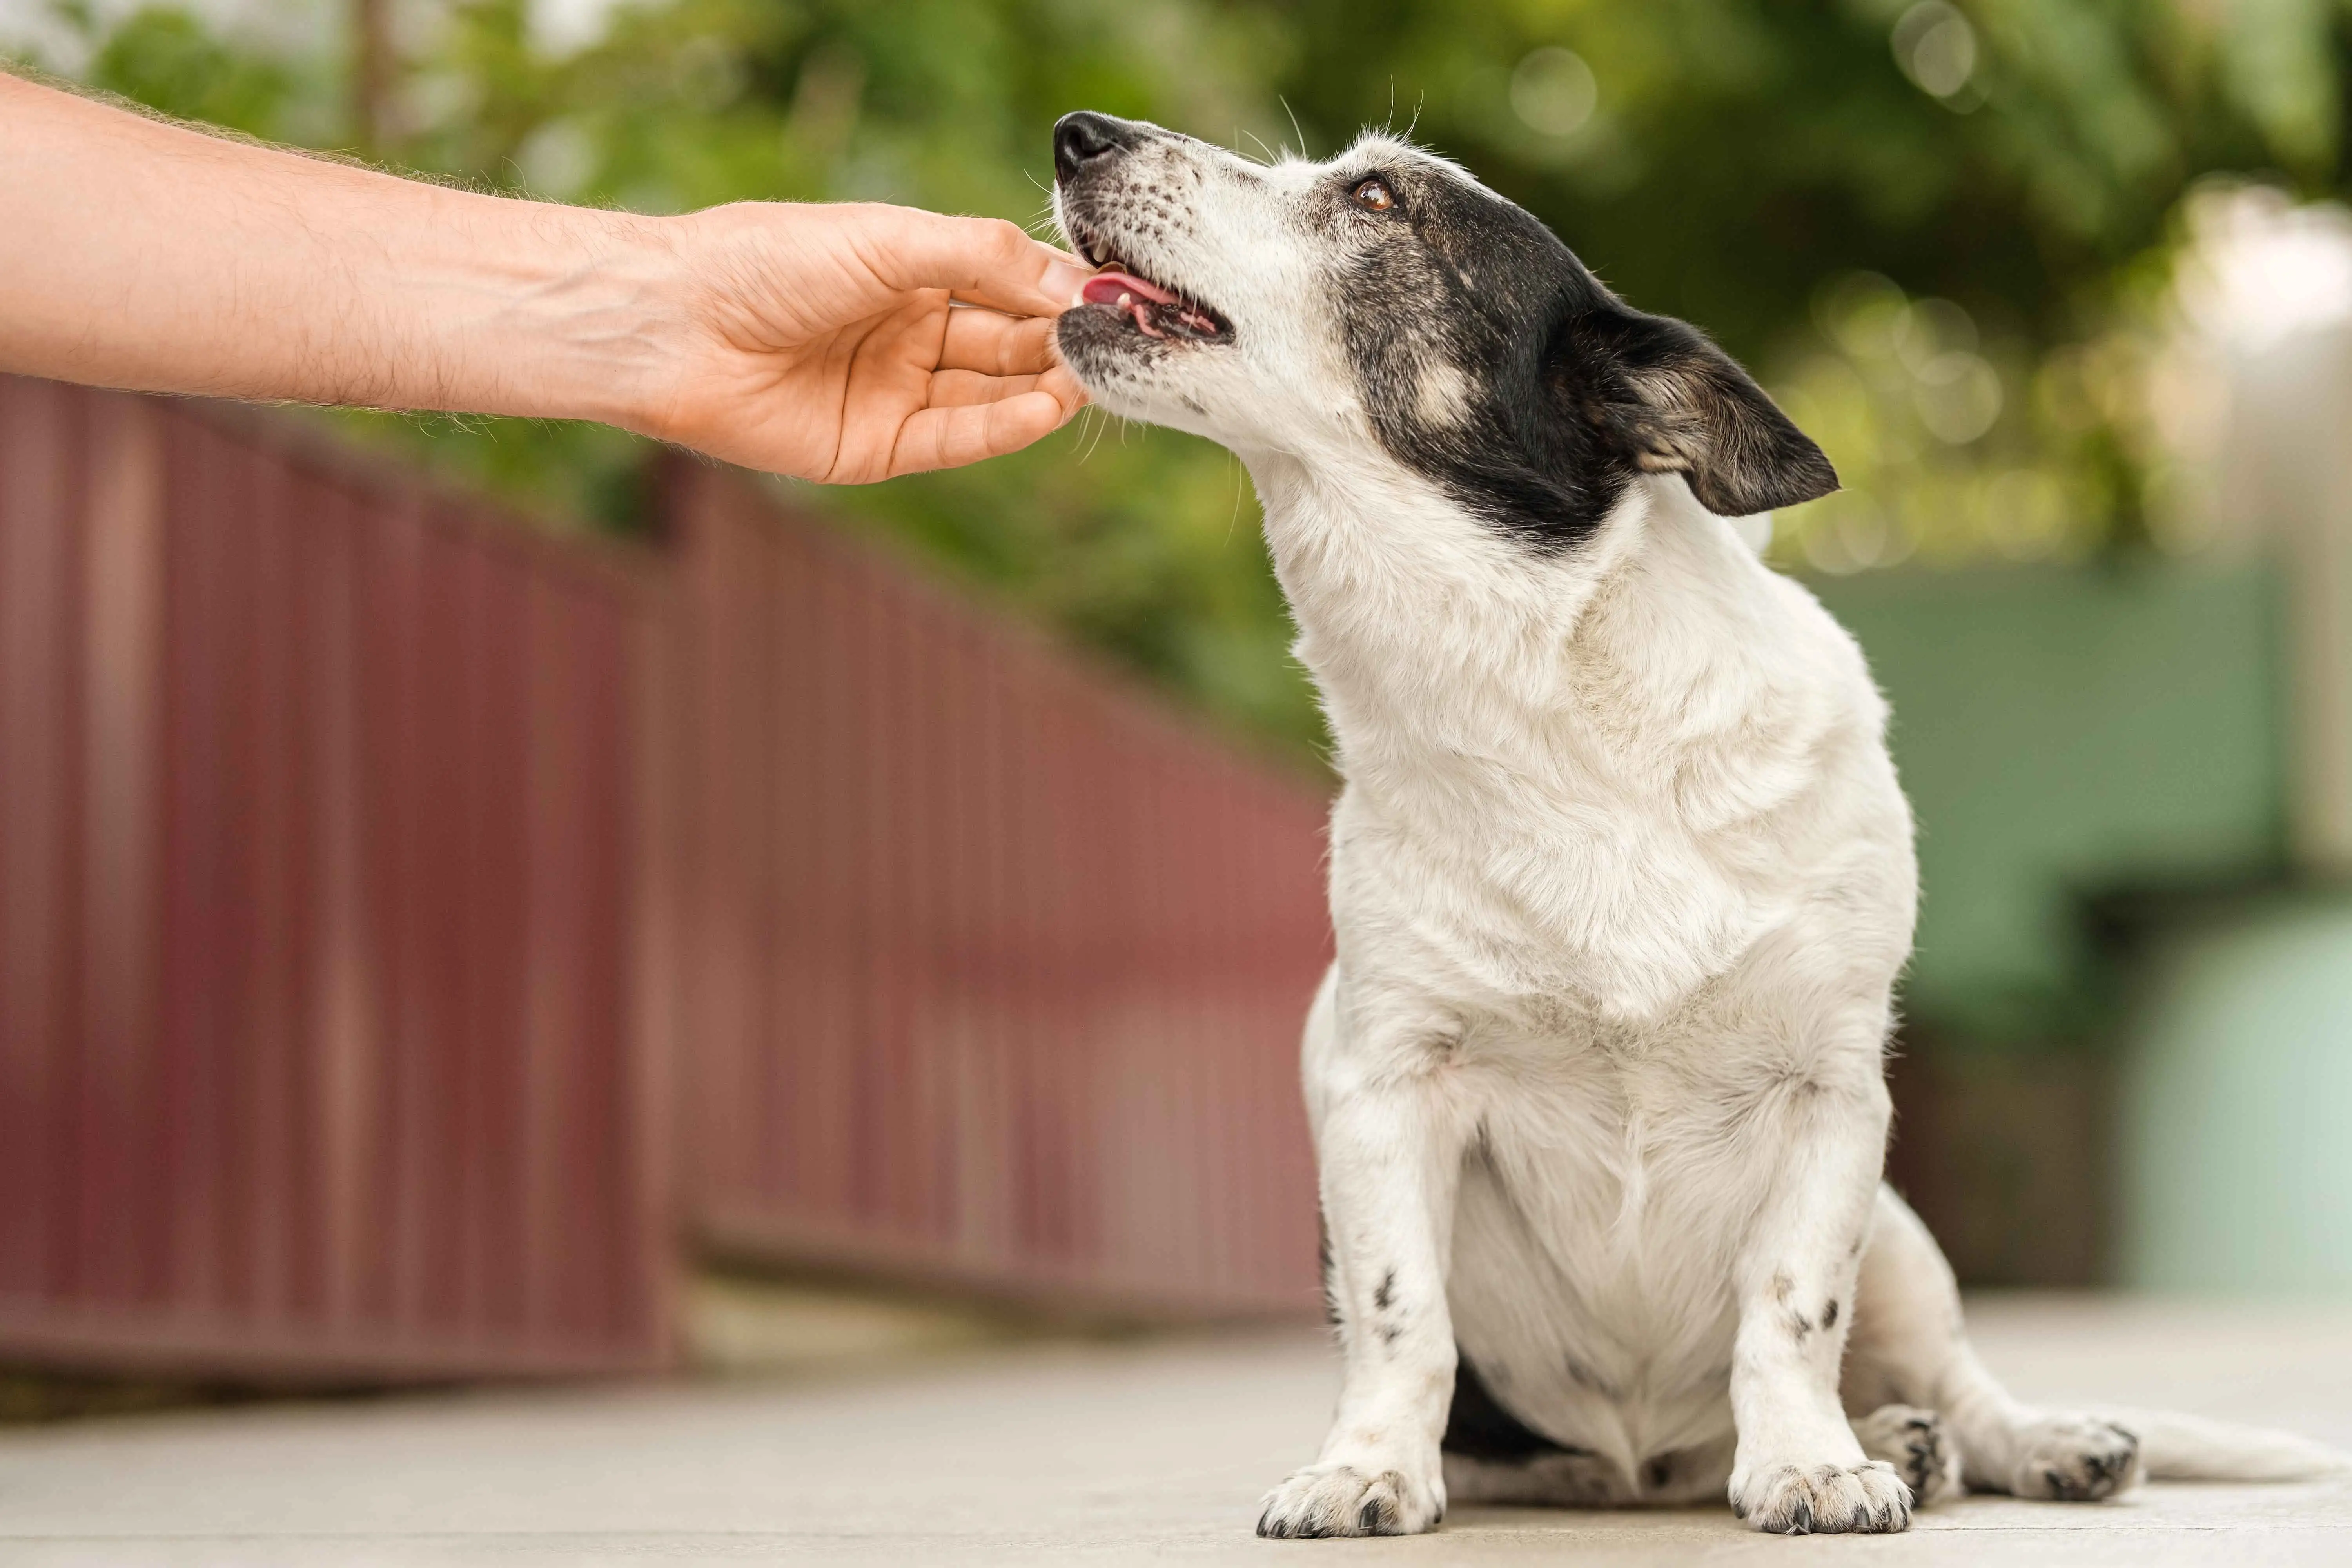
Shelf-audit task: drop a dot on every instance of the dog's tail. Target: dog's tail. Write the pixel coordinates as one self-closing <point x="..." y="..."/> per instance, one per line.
<point x="2191" y="1448"/>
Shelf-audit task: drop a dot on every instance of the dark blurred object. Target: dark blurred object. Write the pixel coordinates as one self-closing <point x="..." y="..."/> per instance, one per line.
<point x="2008" y="1156"/>
<point x="379" y="878"/>
<point x="374" y="74"/>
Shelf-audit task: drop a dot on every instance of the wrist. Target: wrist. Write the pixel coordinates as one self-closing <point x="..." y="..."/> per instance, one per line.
<point x="594" y="317"/>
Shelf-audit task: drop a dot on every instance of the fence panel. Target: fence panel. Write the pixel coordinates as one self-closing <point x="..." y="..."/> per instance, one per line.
<point x="320" y="942"/>
<point x="992" y="972"/>
<point x="374" y="871"/>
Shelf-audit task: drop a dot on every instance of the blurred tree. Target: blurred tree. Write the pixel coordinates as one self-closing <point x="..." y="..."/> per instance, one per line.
<point x="374" y="68"/>
<point x="1913" y="216"/>
<point x="170" y="61"/>
<point x="1935" y="228"/>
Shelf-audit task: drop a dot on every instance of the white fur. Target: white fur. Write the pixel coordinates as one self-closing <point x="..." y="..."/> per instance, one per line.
<point x="1623" y="881"/>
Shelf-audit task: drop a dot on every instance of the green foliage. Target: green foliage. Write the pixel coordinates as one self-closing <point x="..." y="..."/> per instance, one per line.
<point x="1915" y="257"/>
<point x="165" y="58"/>
<point x="1930" y="226"/>
<point x="1138" y="543"/>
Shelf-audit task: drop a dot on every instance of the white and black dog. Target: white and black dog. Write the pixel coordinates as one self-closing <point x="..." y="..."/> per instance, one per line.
<point x="1621" y="874"/>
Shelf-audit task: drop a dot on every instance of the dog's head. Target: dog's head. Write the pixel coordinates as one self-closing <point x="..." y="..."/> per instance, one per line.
<point x="1387" y="296"/>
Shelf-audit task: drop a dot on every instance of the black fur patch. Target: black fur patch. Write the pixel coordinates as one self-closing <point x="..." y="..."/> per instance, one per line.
<point x="1478" y="1427"/>
<point x="1323" y="1267"/>
<point x="1492" y="360"/>
<point x="1677" y="404"/>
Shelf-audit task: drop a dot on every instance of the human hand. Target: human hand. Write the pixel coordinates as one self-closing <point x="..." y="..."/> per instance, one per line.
<point x="821" y="341"/>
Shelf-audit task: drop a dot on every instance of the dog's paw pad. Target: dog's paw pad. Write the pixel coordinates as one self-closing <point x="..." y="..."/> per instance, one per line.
<point x="1823" y="1500"/>
<point x="1918" y="1444"/>
<point x="2077" y="1458"/>
<point x="1342" y="1500"/>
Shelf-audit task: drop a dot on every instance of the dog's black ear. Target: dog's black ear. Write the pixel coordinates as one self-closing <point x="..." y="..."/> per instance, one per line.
<point x="1664" y="395"/>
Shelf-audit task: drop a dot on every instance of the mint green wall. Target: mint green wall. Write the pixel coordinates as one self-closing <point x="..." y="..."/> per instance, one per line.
<point x="2237" y="1106"/>
<point x="2061" y="731"/>
<point x="2107" y="730"/>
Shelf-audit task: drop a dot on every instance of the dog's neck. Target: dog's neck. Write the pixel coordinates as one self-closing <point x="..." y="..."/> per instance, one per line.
<point x="1438" y="643"/>
<point x="1601" y="756"/>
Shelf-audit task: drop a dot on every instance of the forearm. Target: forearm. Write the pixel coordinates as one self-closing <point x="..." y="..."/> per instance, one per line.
<point x="141" y="255"/>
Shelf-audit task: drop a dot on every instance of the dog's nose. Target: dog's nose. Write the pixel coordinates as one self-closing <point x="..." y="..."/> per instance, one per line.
<point x="1080" y="139"/>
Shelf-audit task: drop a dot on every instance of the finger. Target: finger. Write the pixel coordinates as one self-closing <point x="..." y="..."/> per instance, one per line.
<point x="960" y="388"/>
<point x="997" y="344"/>
<point x="950" y="438"/>
<point x="984" y="261"/>
<point x="1063" y="382"/>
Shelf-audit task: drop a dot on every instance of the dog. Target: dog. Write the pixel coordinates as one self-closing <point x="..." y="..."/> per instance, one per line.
<point x="1621" y="874"/>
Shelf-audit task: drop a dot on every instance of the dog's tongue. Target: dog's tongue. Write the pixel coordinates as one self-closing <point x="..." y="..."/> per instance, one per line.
<point x="1105" y="288"/>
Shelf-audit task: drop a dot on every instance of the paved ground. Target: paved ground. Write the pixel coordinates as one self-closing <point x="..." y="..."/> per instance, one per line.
<point x="1145" y="1453"/>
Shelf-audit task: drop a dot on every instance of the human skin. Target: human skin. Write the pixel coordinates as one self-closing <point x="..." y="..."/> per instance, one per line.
<point x="844" y="343"/>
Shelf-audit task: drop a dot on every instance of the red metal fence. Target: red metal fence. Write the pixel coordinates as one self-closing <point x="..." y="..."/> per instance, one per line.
<point x="318" y="937"/>
<point x="388" y="892"/>
<point x="993" y="973"/>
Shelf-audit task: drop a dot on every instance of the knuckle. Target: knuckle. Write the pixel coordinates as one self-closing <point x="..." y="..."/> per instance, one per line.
<point x="1000" y="235"/>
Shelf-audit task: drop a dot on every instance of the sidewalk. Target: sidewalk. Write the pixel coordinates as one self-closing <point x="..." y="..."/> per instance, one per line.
<point x="1145" y="1453"/>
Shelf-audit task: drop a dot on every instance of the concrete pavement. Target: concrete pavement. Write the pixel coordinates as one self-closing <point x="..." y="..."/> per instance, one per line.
<point x="1153" y="1451"/>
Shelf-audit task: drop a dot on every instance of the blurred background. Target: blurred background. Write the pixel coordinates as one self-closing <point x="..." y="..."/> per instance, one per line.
<point x="482" y="895"/>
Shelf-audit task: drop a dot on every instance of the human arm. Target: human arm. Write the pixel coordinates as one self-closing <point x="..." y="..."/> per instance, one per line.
<point x="817" y="341"/>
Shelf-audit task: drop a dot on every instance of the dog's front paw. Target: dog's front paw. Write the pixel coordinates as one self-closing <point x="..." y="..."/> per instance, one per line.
<point x="1351" y="1499"/>
<point x="1823" y="1500"/>
<point x="1918" y="1444"/>
<point x="2077" y="1458"/>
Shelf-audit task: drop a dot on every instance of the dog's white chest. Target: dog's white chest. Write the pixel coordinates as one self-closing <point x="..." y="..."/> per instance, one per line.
<point x="1595" y="1214"/>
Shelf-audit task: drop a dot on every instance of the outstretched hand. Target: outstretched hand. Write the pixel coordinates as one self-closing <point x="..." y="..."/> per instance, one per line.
<point x="843" y="343"/>
<point x="848" y="343"/>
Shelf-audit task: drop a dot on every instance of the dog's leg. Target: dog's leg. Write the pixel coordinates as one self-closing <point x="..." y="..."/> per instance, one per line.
<point x="1908" y="1347"/>
<point x="1389" y="1143"/>
<point x="1799" y="1468"/>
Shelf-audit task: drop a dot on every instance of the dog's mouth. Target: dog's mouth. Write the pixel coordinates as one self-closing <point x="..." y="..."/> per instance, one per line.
<point x="1143" y="305"/>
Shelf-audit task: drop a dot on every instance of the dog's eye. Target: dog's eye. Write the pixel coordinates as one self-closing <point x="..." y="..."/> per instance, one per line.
<point x="1373" y="194"/>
